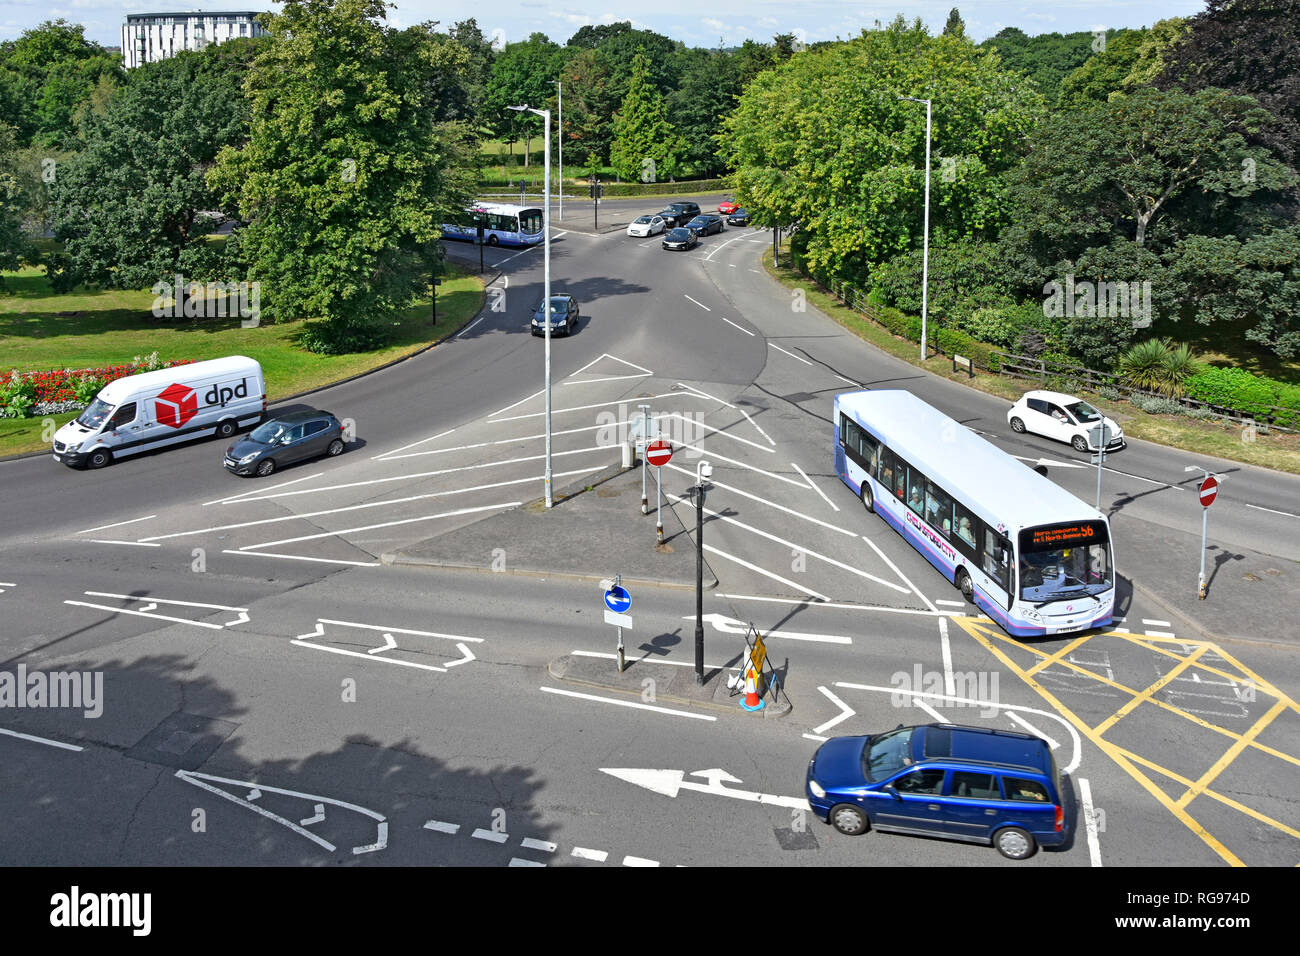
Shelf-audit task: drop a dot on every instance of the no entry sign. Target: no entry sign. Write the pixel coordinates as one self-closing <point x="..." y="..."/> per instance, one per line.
<point x="1209" y="490"/>
<point x="659" y="452"/>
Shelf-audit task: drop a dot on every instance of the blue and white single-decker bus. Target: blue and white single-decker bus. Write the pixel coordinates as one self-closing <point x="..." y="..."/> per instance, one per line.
<point x="1028" y="553"/>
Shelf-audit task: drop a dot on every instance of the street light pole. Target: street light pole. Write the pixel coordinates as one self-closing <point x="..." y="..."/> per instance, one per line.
<point x="546" y="280"/>
<point x="703" y="471"/>
<point x="560" y="87"/>
<point x="925" y="254"/>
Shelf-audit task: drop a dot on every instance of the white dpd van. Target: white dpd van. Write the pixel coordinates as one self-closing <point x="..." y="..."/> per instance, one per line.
<point x="166" y="407"/>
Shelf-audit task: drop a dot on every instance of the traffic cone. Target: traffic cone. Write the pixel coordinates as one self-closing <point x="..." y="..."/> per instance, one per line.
<point x="752" y="701"/>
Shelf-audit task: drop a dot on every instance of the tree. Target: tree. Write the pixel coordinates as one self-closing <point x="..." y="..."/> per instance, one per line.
<point x="1130" y="59"/>
<point x="824" y="140"/>
<point x="523" y="74"/>
<point x="1046" y="59"/>
<point x="1250" y="47"/>
<point x="348" y="172"/>
<point x="48" y="75"/>
<point x="1116" y="168"/>
<point x="589" y="107"/>
<point x="955" y="26"/>
<point x="707" y="94"/>
<point x="129" y="206"/>
<point x="646" y="146"/>
<point x="14" y="247"/>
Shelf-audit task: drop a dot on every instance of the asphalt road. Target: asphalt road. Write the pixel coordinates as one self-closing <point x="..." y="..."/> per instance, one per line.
<point x="260" y="665"/>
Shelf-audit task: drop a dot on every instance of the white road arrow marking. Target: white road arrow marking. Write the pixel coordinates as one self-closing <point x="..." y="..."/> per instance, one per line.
<point x="242" y="619"/>
<point x="845" y="711"/>
<point x="671" y="782"/>
<point x="1050" y="462"/>
<point x="149" y="607"/>
<point x="468" y="656"/>
<point x="207" y="782"/>
<point x="389" y="643"/>
<point x="729" y="625"/>
<point x="317" y="817"/>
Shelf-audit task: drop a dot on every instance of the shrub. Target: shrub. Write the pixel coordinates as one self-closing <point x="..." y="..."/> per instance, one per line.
<point x="325" y="338"/>
<point x="86" y="387"/>
<point x="1156" y="406"/>
<point x="1178" y="365"/>
<point x="1241" y="391"/>
<point x="1108" y="393"/>
<point x="1001" y="325"/>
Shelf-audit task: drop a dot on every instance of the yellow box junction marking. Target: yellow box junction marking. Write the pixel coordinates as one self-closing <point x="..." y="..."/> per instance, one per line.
<point x="995" y="641"/>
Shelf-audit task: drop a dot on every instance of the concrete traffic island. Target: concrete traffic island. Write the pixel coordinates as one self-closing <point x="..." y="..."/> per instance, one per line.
<point x="594" y="531"/>
<point x="647" y="681"/>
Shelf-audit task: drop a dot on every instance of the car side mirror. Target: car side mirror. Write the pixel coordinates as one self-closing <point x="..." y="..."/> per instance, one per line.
<point x="890" y="789"/>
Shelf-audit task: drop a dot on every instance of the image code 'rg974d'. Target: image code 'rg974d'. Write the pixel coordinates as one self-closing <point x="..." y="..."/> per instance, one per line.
<point x="155" y="409"/>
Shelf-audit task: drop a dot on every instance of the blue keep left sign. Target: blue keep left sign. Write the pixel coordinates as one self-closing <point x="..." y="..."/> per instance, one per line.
<point x="617" y="599"/>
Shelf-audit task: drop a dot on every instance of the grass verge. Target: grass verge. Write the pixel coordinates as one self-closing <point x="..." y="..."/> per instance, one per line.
<point x="1276" y="450"/>
<point x="40" y="330"/>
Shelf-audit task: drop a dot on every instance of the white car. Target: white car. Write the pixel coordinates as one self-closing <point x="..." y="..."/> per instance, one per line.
<point x="646" y="226"/>
<point x="1062" y="417"/>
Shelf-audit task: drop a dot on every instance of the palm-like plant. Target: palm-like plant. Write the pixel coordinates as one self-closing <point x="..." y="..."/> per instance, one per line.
<point x="1179" y="364"/>
<point x="1142" y="366"/>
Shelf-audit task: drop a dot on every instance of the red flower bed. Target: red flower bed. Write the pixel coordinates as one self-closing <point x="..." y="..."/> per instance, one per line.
<point x="56" y="385"/>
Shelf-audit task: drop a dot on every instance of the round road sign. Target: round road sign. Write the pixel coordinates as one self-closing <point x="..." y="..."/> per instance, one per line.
<point x="617" y="599"/>
<point x="1209" y="489"/>
<point x="658" y="452"/>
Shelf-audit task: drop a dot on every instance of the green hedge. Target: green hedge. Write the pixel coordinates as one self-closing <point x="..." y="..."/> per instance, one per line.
<point x="632" y="190"/>
<point x="949" y="341"/>
<point x="1243" y="391"/>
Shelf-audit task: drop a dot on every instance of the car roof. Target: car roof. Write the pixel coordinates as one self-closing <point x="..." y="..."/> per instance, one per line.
<point x="1003" y="748"/>
<point x="306" y="415"/>
<point x="1060" y="397"/>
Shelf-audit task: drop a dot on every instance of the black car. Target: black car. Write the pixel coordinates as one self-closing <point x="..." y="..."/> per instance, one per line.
<point x="705" y="225"/>
<point x="739" y="218"/>
<point x="564" y="315"/>
<point x="680" y="213"/>
<point x="680" y="238"/>
<point x="296" y="436"/>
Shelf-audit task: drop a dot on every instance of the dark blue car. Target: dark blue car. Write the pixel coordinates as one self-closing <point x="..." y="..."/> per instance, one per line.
<point x="961" y="783"/>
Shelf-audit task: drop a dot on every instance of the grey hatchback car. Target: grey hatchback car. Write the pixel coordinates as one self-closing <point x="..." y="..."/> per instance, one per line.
<point x="282" y="441"/>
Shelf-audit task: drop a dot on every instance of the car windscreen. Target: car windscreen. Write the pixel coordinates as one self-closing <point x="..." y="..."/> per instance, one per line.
<point x="1084" y="412"/>
<point x="268" y="432"/>
<point x="698" y="221"/>
<point x="886" y="754"/>
<point x="643" y="220"/>
<point x="95" y="416"/>
<point x="679" y="234"/>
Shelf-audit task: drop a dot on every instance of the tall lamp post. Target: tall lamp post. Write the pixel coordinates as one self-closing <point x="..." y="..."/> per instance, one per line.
<point x="560" y="139"/>
<point x="546" y="280"/>
<point x="925" y="255"/>
<point x="703" y="472"/>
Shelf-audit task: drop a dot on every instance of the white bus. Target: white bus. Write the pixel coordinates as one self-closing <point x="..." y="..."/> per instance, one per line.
<point x="503" y="224"/>
<point x="1028" y="553"/>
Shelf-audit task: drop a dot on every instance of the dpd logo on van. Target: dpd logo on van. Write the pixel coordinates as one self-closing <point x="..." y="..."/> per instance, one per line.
<point x="176" y="405"/>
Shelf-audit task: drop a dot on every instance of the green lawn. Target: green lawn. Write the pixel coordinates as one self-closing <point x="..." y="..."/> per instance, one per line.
<point x="39" y="330"/>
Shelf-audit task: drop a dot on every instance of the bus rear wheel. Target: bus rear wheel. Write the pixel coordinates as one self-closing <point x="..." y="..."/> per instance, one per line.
<point x="965" y="585"/>
<point x="492" y="240"/>
<point x="867" y="501"/>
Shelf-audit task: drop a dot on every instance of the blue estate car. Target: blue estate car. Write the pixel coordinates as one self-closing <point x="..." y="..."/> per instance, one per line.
<point x="943" y="780"/>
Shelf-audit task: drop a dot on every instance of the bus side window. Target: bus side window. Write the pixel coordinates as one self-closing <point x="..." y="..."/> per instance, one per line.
<point x="867" y="448"/>
<point x="938" y="509"/>
<point x="916" y="490"/>
<point x="887" y="469"/>
<point x="996" y="560"/>
<point x="967" y="530"/>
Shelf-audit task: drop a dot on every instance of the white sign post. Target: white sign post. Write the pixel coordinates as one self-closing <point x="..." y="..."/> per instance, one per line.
<point x="617" y="602"/>
<point x="1208" y="491"/>
<point x="1099" y="436"/>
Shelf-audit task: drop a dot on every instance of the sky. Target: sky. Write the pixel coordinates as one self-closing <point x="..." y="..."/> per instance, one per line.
<point x="728" y="22"/>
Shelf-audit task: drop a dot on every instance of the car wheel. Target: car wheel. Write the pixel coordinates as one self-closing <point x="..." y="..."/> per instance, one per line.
<point x="225" y="428"/>
<point x="265" y="467"/>
<point x="1014" y="843"/>
<point x="492" y="240"/>
<point x="965" y="585"/>
<point x="1017" y="426"/>
<point x="335" y="447"/>
<point x="99" y="458"/>
<point x="1080" y="443"/>
<point x="867" y="501"/>
<point x="850" y="820"/>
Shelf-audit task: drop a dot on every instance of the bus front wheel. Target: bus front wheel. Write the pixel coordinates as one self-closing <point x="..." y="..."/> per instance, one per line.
<point x="492" y="240"/>
<point x="965" y="585"/>
<point x="866" y="497"/>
